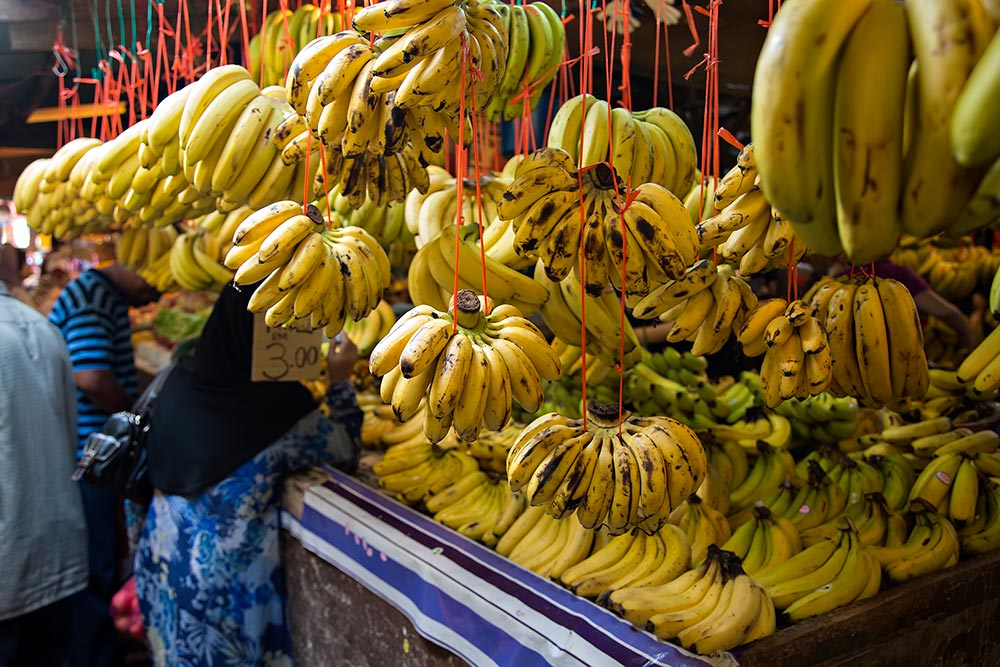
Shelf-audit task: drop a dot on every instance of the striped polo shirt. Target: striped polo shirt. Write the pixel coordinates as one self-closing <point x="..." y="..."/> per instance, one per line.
<point x="93" y="317"/>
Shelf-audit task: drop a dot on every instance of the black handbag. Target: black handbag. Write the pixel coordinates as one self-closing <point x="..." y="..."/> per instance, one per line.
<point x="115" y="458"/>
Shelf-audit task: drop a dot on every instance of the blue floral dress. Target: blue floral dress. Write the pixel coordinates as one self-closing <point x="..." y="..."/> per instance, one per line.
<point x="208" y="569"/>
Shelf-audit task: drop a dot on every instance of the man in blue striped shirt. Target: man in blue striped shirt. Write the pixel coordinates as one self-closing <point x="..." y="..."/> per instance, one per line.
<point x="92" y="314"/>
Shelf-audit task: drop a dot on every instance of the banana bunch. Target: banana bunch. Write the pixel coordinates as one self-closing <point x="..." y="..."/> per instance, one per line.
<point x="365" y="137"/>
<point x="431" y="276"/>
<point x="943" y="347"/>
<point x="759" y="426"/>
<point x="770" y="468"/>
<point x="898" y="477"/>
<point x="536" y="38"/>
<point x="196" y="262"/>
<point x="563" y="311"/>
<point x="380" y="430"/>
<point x="620" y="471"/>
<point x="730" y="460"/>
<point x="368" y="331"/>
<point x="470" y="362"/>
<point x="415" y="470"/>
<point x="139" y="247"/>
<point x="147" y="251"/>
<point x="981" y="369"/>
<point x="714" y="490"/>
<point x="705" y="306"/>
<point x="549" y="201"/>
<point x="817" y="501"/>
<point x="856" y="477"/>
<point x="822" y="418"/>
<point x="798" y="359"/>
<point x="878" y="524"/>
<point x="651" y="146"/>
<point x="746" y="230"/>
<point x="875" y="339"/>
<point x="982" y="534"/>
<point x="427" y="214"/>
<point x="649" y="393"/>
<point x="225" y="117"/>
<point x="546" y="546"/>
<point x="630" y="559"/>
<point x="429" y="38"/>
<point x="283" y="35"/>
<point x="932" y="545"/>
<point x="572" y="359"/>
<point x="766" y="539"/>
<point x="847" y="149"/>
<point x="700" y="198"/>
<point x="703" y="525"/>
<point x="491" y="447"/>
<point x="48" y="195"/>
<point x="714" y="607"/>
<point x="480" y="506"/>
<point x="949" y="484"/>
<point x="829" y="574"/>
<point x="313" y="277"/>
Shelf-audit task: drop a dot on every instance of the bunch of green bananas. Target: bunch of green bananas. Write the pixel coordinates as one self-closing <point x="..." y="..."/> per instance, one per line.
<point x="313" y="277"/>
<point x="536" y="38"/>
<point x="770" y="469"/>
<point x="470" y="362"/>
<point x="480" y="506"/>
<point x="881" y="158"/>
<point x="821" y="418"/>
<point x="612" y="469"/>
<point x="631" y="559"/>
<point x="283" y="35"/>
<point x="714" y="607"/>
<point x="650" y="146"/>
<point x="831" y="573"/>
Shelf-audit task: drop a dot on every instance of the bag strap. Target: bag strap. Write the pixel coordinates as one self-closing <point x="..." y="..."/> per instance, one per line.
<point x="144" y="404"/>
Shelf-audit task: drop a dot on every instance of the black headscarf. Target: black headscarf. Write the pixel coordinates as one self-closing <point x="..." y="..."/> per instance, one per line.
<point x="210" y="418"/>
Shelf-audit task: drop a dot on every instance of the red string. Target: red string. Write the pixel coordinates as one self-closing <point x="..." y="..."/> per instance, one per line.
<point x="460" y="167"/>
<point x="478" y="177"/>
<point x="728" y="137"/>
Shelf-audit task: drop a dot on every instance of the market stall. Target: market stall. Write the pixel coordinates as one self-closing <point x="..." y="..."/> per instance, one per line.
<point x="637" y="389"/>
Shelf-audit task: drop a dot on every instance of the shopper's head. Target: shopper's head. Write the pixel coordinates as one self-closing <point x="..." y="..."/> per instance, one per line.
<point x="136" y="290"/>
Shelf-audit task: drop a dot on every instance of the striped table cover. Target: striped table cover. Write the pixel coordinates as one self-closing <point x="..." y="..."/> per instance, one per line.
<point x="463" y="596"/>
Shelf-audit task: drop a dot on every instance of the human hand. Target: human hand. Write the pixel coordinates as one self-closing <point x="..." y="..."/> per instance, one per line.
<point x="340" y="358"/>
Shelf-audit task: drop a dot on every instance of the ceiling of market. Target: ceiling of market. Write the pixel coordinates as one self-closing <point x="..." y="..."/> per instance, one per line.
<point x="29" y="28"/>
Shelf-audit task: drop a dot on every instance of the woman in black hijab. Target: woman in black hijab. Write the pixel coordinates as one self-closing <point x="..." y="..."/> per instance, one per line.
<point x="208" y="570"/>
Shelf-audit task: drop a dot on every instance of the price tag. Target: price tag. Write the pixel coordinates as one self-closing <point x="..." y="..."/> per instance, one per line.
<point x="284" y="355"/>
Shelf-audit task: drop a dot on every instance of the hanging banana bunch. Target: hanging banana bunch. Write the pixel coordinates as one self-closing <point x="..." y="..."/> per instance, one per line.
<point x="705" y="306"/>
<point x="470" y="362"/>
<point x="746" y="230"/>
<point x="612" y="469"/>
<point x="875" y="339"/>
<point x="313" y="277"/>
<point x="547" y="206"/>
<point x="651" y="146"/>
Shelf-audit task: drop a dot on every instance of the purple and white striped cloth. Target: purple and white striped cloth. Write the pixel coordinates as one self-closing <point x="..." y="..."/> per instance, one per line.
<point x="463" y="596"/>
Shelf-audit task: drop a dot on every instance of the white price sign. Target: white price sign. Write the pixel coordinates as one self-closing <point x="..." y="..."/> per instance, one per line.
<point x="284" y="355"/>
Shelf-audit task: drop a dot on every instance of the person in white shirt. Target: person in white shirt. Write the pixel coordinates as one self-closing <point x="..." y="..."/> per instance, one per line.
<point x="43" y="534"/>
